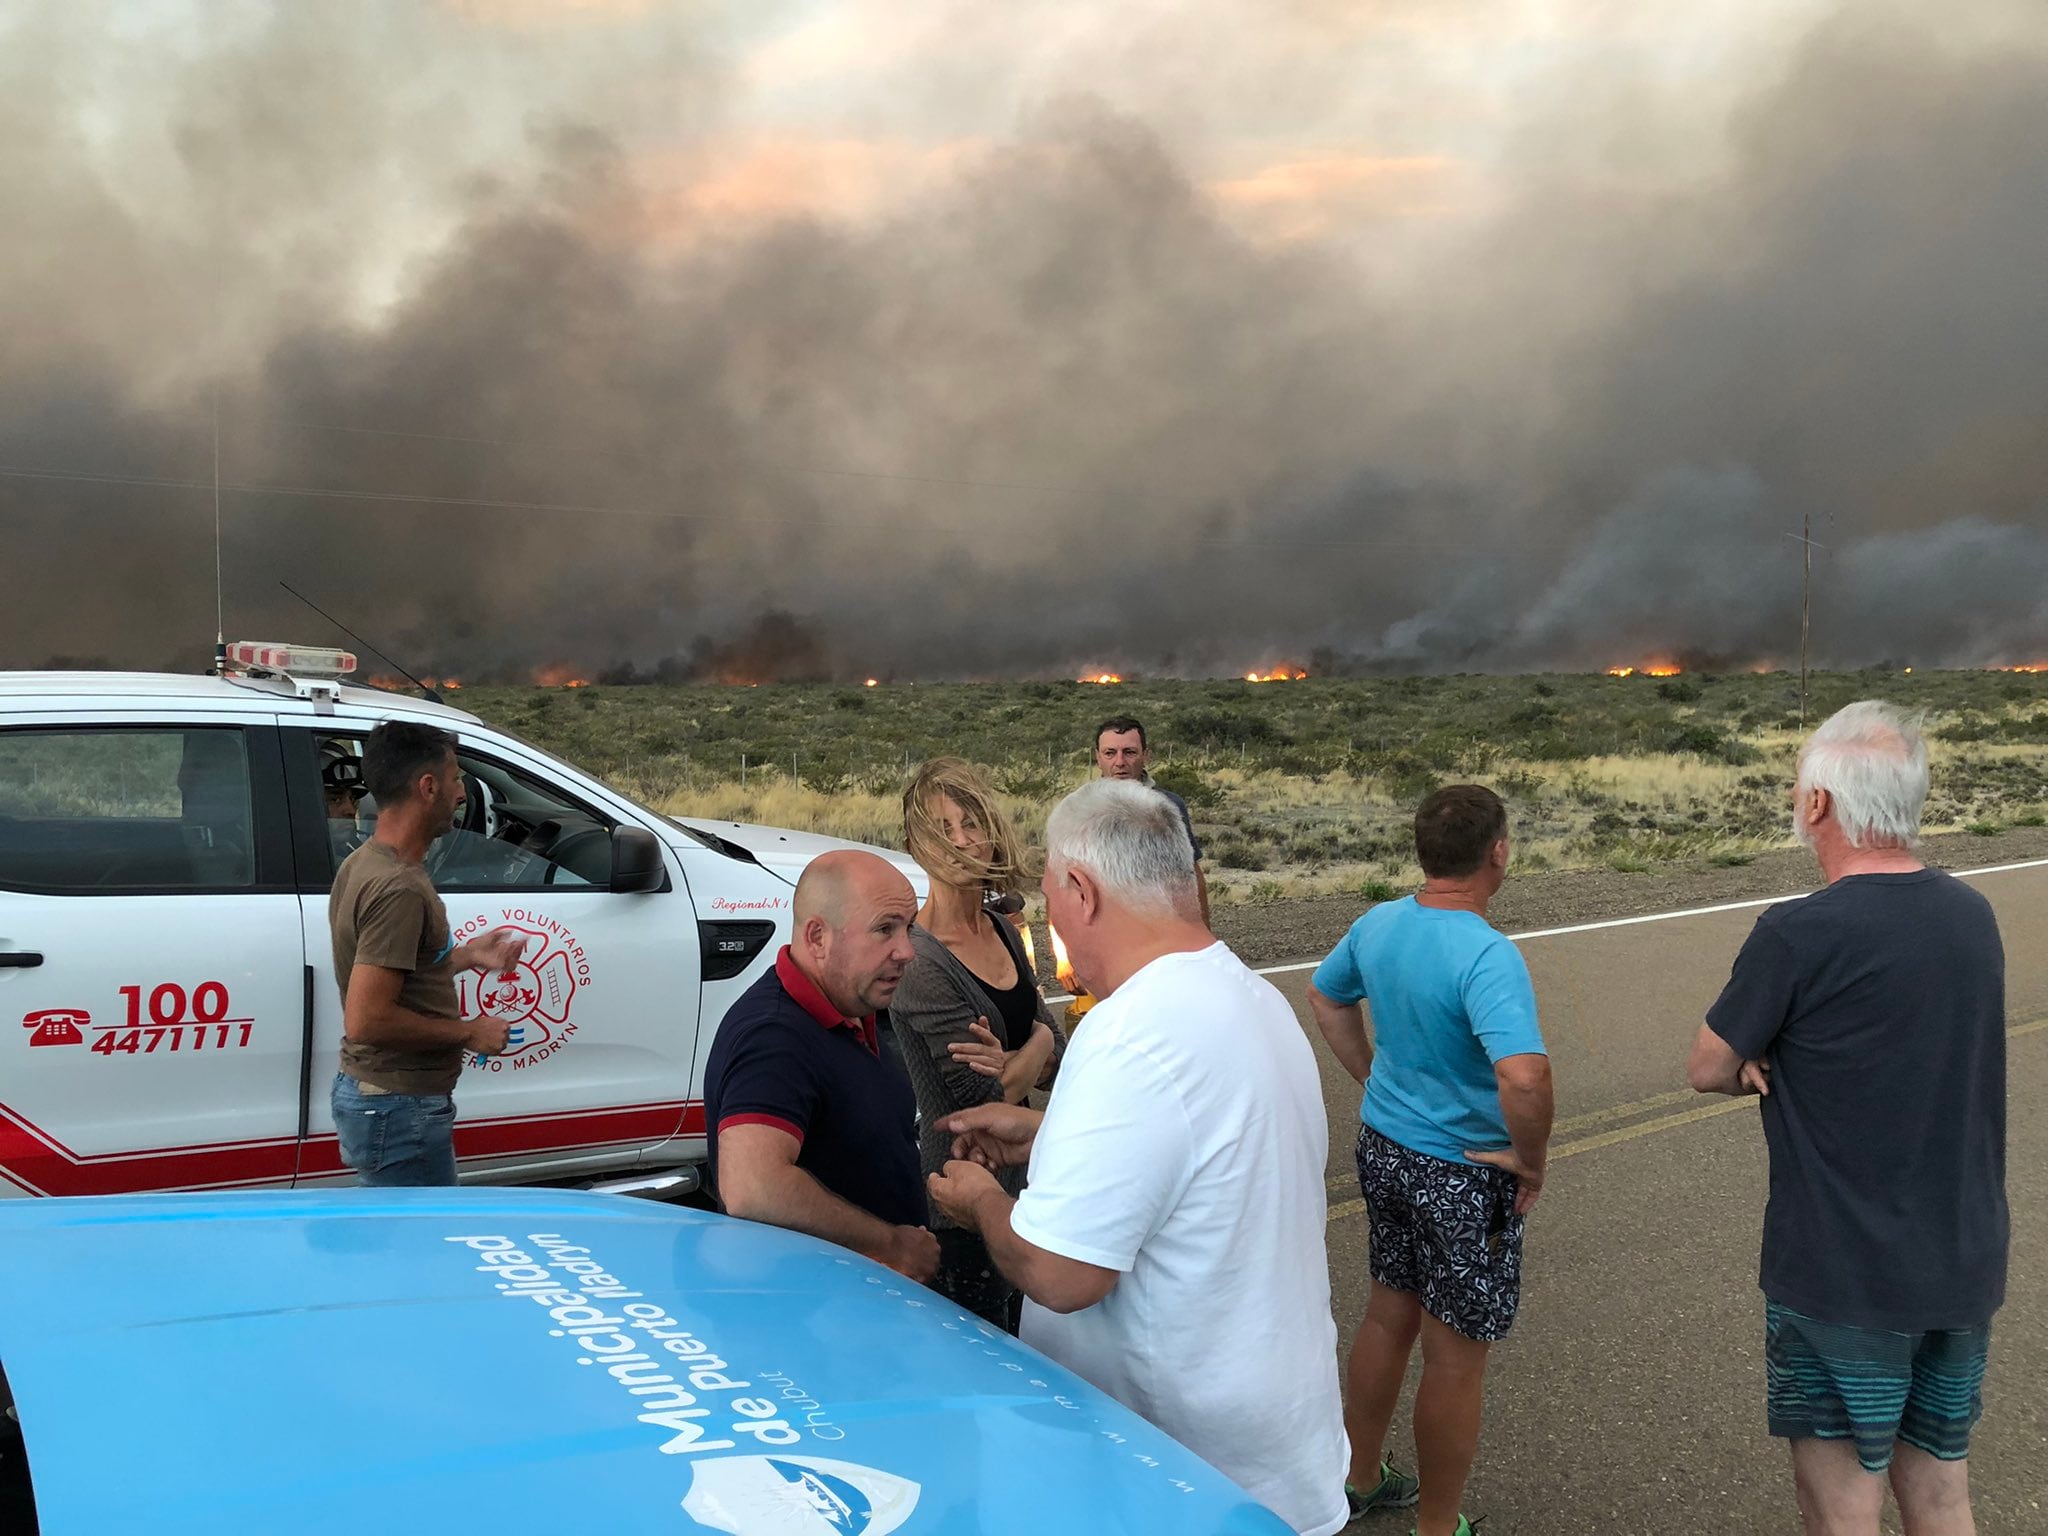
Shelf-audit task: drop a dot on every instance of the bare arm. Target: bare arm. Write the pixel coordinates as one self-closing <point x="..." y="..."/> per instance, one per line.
<point x="969" y="1194"/>
<point x="1715" y="1068"/>
<point x="372" y="1015"/>
<point x="497" y="950"/>
<point x="1526" y="1105"/>
<point x="1343" y="1025"/>
<point x="758" y="1180"/>
<point x="1023" y="1068"/>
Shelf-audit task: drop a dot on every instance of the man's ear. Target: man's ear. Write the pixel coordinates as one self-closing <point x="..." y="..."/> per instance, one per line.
<point x="1498" y="857"/>
<point x="815" y="933"/>
<point x="1819" y="805"/>
<point x="1086" y="892"/>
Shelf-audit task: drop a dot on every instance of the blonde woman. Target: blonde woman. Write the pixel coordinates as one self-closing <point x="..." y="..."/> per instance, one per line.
<point x="969" y="1018"/>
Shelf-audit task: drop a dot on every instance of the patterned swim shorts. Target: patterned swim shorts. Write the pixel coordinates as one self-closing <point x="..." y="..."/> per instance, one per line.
<point x="1829" y="1381"/>
<point x="1447" y="1232"/>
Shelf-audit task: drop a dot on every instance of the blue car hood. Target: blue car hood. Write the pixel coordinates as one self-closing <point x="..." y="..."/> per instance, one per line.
<point x="519" y="1360"/>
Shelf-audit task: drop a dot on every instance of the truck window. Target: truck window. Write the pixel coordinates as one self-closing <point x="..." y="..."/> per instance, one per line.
<point x="515" y="832"/>
<point x="156" y="809"/>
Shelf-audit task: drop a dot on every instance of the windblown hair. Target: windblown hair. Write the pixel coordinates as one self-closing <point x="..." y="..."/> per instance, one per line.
<point x="1130" y="838"/>
<point x="1872" y="760"/>
<point x="1005" y="870"/>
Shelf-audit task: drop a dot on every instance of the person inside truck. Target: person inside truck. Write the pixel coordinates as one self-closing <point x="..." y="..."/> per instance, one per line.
<point x="341" y="785"/>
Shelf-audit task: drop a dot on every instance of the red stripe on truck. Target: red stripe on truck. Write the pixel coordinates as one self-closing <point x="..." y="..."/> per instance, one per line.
<point x="38" y="1162"/>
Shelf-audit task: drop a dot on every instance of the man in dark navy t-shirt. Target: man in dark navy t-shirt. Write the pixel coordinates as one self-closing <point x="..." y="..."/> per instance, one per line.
<point x="812" y="1126"/>
<point x="1871" y="1015"/>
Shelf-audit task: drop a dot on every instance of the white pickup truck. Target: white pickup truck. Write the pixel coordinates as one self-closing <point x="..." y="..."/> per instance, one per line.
<point x="166" y="849"/>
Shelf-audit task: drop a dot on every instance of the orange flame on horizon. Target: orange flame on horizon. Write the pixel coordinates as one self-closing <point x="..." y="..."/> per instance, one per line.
<point x="2023" y="666"/>
<point x="392" y="684"/>
<point x="1102" y="677"/>
<point x="559" y="675"/>
<point x="1285" y="673"/>
<point x="1648" y="669"/>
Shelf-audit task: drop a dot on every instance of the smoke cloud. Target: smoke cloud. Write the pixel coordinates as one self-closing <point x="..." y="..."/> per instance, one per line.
<point x="537" y="333"/>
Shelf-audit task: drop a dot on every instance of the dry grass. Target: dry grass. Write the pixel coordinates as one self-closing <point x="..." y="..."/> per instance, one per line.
<point x="1309" y="788"/>
<point x="864" y="816"/>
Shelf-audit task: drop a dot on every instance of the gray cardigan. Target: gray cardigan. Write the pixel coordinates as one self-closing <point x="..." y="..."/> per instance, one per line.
<point x="936" y="1004"/>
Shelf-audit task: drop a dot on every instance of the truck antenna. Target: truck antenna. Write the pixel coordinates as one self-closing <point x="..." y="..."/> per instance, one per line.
<point x="359" y="640"/>
<point x="220" y="623"/>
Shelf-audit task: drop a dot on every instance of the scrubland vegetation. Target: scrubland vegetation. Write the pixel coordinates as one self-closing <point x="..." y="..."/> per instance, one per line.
<point x="1306" y="787"/>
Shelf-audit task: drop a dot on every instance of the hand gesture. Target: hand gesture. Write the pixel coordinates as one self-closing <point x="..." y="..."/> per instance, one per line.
<point x="488" y="1036"/>
<point x="1528" y="1181"/>
<point x="993" y="1135"/>
<point x="1754" y="1077"/>
<point x="984" y="1052"/>
<point x="498" y="950"/>
<point x="959" y="1191"/>
<point x="913" y="1253"/>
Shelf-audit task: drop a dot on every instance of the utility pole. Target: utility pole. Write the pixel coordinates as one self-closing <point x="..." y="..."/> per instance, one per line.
<point x="1806" y="547"/>
<point x="1805" y="606"/>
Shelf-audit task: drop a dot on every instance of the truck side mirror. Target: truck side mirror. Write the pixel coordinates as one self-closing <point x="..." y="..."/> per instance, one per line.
<point x="636" y="861"/>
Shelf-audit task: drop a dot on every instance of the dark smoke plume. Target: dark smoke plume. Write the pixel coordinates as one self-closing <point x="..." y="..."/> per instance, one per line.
<point x="492" y="396"/>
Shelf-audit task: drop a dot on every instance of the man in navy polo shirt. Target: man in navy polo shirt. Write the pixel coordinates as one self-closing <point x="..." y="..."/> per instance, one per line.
<point x="813" y="1127"/>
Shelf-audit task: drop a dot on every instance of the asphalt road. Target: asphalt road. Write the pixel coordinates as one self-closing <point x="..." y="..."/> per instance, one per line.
<point x="1629" y="1398"/>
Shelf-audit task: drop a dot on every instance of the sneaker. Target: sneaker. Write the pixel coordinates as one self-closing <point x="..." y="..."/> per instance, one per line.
<point x="1465" y="1527"/>
<point x="1394" y="1490"/>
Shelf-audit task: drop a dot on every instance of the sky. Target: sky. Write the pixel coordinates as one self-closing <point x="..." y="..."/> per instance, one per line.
<point x="931" y="339"/>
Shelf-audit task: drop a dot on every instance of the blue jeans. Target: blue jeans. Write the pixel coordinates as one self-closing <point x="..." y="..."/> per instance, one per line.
<point x="394" y="1139"/>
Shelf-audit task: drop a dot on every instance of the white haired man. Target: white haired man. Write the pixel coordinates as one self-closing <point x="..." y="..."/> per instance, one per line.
<point x="1871" y="1016"/>
<point x="1170" y="1240"/>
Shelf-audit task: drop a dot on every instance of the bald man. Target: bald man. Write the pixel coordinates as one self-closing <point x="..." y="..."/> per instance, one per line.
<point x="813" y="1126"/>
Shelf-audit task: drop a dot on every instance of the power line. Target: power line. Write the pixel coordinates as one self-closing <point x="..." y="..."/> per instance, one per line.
<point x="573" y="509"/>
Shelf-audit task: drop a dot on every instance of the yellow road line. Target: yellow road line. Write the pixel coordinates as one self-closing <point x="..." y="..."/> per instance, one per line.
<point x="1612" y="1138"/>
<point x="1663" y="1123"/>
<point x="1622" y="1111"/>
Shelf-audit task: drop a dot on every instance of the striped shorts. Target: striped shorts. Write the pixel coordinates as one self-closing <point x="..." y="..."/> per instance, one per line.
<point x="1828" y="1381"/>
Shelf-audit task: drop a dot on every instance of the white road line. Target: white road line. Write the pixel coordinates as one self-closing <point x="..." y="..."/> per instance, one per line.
<point x="1653" y="917"/>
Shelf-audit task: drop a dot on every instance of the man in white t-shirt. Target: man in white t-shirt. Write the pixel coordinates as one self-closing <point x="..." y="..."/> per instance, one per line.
<point x="1170" y="1241"/>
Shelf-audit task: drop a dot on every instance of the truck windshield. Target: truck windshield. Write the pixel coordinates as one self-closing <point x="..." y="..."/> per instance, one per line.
<point x="715" y="844"/>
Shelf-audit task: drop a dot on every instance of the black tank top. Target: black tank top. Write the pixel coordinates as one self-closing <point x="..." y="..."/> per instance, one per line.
<point x="1019" y="1006"/>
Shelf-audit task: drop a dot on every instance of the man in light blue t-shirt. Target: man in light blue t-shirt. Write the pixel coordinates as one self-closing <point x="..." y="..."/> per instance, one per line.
<point x="1455" y="1129"/>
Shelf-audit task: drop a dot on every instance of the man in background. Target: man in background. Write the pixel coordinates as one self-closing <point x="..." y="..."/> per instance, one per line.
<point x="1121" y="752"/>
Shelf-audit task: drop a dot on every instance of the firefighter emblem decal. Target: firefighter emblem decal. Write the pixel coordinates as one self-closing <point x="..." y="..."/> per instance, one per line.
<point x="534" y="997"/>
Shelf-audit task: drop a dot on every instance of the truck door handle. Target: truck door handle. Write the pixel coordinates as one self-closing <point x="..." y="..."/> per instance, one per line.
<point x="20" y="959"/>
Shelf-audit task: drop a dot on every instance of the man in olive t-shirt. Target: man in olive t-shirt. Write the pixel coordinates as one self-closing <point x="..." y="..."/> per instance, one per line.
<point x="403" y="1036"/>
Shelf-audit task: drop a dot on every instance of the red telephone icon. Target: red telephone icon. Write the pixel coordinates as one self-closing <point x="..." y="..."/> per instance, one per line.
<point x="56" y="1026"/>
